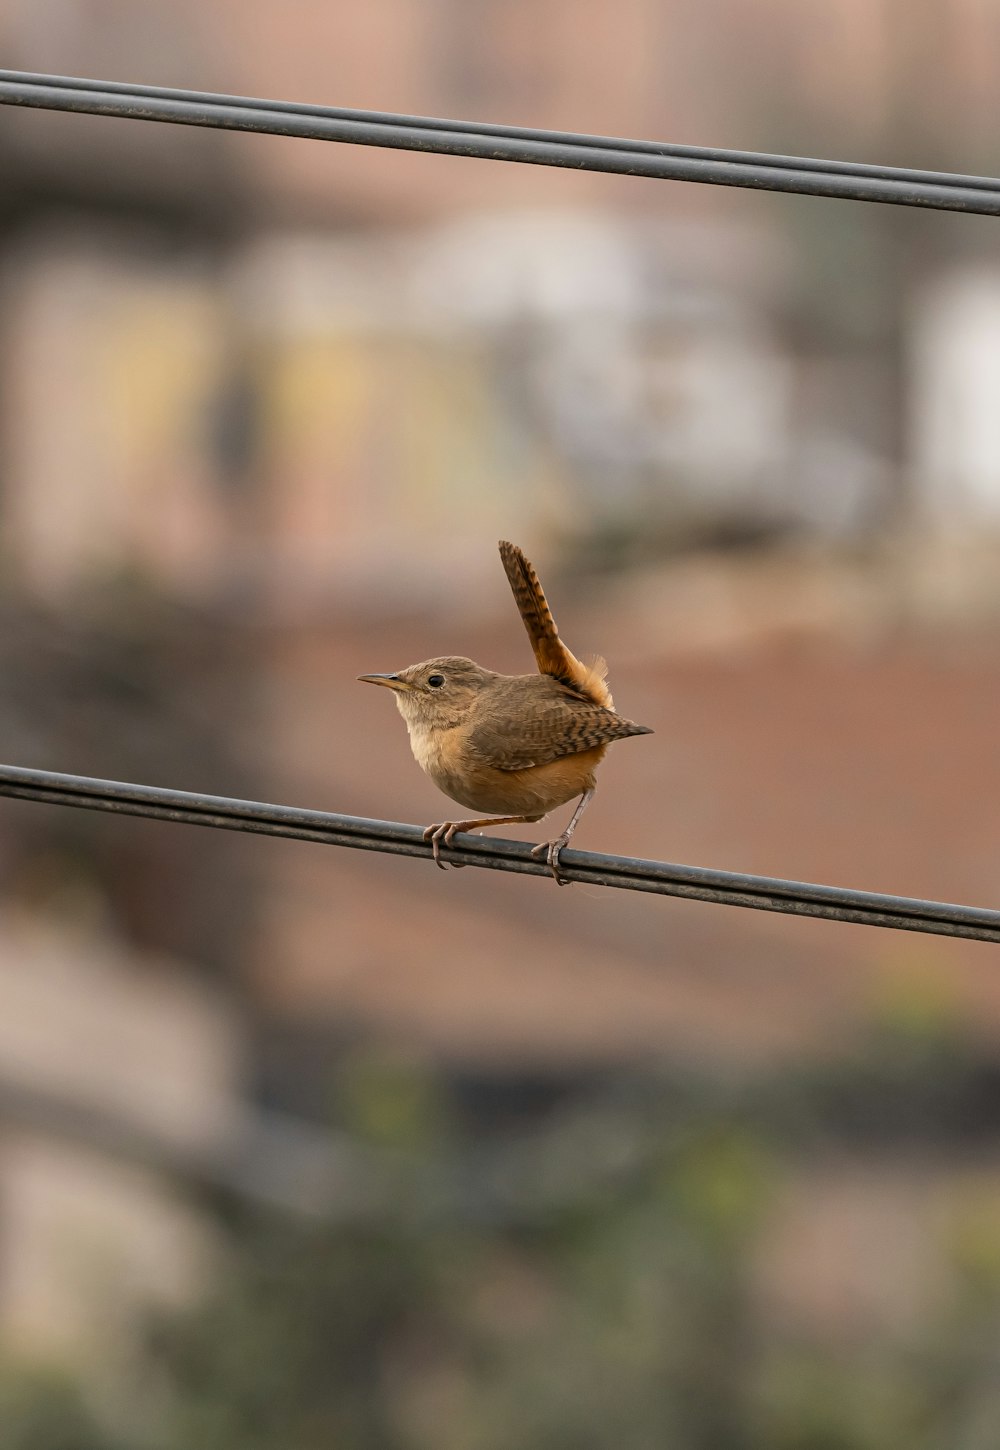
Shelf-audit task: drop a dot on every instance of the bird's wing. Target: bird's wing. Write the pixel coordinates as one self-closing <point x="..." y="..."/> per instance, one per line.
<point x="545" y="729"/>
<point x="551" y="655"/>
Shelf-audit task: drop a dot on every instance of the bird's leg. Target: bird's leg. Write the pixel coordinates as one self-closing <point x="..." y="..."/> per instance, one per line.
<point x="441" y="835"/>
<point x="551" y="849"/>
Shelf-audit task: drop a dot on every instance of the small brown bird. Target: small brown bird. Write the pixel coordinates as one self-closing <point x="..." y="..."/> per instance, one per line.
<point x="517" y="745"/>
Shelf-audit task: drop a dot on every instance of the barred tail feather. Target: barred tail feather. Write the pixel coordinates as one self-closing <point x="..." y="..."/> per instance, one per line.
<point x="551" y="655"/>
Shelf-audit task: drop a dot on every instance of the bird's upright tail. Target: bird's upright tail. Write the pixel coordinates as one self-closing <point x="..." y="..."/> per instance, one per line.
<point x="551" y="655"/>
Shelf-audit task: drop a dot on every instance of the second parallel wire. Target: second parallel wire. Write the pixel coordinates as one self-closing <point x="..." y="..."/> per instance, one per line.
<point x="856" y="181"/>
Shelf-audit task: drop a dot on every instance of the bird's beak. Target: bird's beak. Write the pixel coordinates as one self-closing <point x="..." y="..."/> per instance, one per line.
<point x="393" y="682"/>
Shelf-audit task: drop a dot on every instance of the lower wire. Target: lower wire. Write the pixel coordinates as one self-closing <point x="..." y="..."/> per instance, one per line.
<point x="695" y="883"/>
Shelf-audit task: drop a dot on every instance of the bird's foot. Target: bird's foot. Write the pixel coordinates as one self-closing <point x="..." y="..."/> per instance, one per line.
<point x="441" y="835"/>
<point x="551" y="851"/>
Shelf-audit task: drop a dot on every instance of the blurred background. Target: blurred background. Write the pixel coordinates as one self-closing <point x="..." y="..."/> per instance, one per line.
<point x="301" y="1147"/>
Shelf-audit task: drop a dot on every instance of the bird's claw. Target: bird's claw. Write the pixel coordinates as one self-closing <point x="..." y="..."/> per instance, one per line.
<point x="551" y="851"/>
<point x="441" y="835"/>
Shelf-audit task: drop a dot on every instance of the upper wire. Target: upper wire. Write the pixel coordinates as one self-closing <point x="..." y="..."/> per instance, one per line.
<point x="698" y="883"/>
<point x="857" y="181"/>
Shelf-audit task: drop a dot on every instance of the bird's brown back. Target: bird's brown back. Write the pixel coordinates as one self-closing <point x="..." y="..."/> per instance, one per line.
<point x="522" y="721"/>
<point x="552" y="656"/>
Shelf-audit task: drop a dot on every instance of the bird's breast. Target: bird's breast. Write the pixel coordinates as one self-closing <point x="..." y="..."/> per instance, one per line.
<point x="442" y="755"/>
<point x="435" y="751"/>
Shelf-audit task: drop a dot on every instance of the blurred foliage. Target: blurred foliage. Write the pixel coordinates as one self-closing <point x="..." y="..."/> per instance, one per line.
<point x="390" y="1102"/>
<point x="591" y="1279"/>
<point x="46" y="1411"/>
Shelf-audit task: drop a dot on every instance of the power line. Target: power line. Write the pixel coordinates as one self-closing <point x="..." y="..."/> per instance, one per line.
<point x="939" y="190"/>
<point x="726" y="888"/>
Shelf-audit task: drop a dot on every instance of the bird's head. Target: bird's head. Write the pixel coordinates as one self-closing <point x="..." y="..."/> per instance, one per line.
<point x="436" y="694"/>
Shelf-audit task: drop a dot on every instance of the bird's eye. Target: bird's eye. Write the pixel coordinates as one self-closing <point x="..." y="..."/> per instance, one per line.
<point x="435" y="681"/>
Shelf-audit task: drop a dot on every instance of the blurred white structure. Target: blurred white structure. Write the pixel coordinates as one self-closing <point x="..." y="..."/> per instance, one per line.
<point x="955" y="418"/>
<point x="341" y="398"/>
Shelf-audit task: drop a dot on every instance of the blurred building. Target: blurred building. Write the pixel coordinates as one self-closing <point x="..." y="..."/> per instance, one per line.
<point x="295" y="391"/>
<point x="282" y="304"/>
